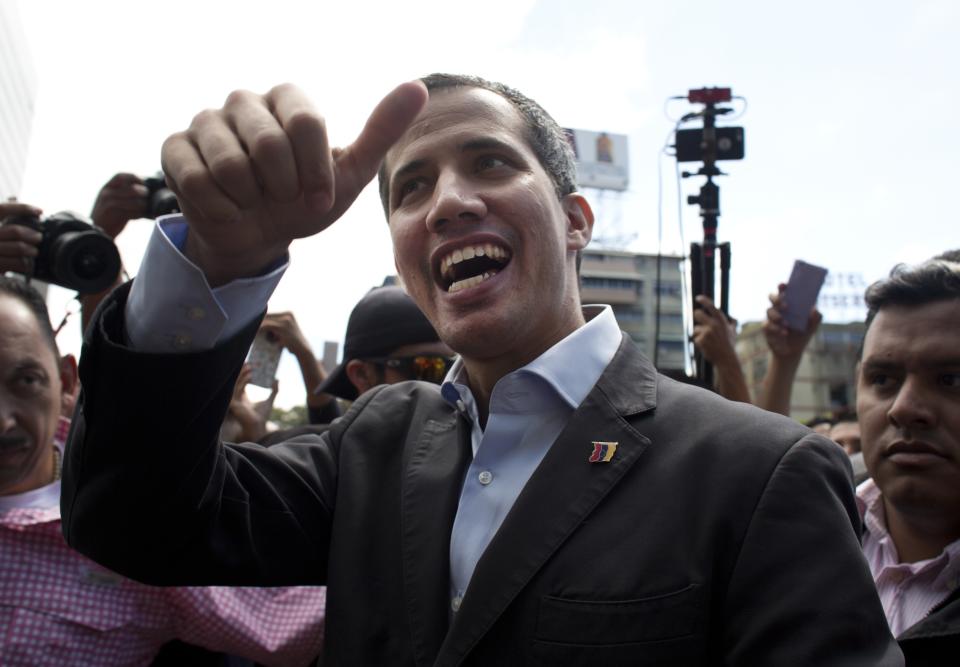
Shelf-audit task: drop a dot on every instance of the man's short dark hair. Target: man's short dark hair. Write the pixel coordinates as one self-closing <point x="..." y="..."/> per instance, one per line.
<point x="937" y="279"/>
<point x="33" y="300"/>
<point x="543" y="134"/>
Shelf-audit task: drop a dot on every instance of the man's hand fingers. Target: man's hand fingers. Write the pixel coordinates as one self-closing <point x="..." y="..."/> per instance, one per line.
<point x="226" y="158"/>
<point x="191" y="181"/>
<point x="128" y="191"/>
<point x="10" y="208"/>
<point x="307" y="133"/>
<point x="707" y="308"/>
<point x="122" y="180"/>
<point x="358" y="163"/>
<point x="17" y="249"/>
<point x="20" y="234"/>
<point x="266" y="142"/>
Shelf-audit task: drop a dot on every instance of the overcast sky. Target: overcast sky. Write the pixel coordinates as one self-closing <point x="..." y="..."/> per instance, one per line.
<point x="851" y="144"/>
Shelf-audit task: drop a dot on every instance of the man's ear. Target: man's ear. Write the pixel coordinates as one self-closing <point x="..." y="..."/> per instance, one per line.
<point x="361" y="375"/>
<point x="69" y="385"/>
<point x="579" y="221"/>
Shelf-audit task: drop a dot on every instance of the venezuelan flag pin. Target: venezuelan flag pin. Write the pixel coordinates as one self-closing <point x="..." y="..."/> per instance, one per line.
<point x="603" y="452"/>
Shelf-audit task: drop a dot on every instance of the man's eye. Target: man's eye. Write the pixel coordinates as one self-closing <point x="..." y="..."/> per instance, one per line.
<point x="409" y="187"/>
<point x="880" y="380"/>
<point x="490" y="162"/>
<point x="31" y="381"/>
<point x="951" y="380"/>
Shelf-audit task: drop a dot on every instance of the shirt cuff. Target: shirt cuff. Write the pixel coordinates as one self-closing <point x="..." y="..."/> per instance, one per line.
<point x="171" y="307"/>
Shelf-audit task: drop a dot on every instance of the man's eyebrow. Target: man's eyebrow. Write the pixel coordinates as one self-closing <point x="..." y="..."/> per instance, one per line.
<point x="883" y="365"/>
<point x="408" y="168"/>
<point x="486" y="143"/>
<point x="30" y="365"/>
<point x="471" y="145"/>
<point x="879" y="365"/>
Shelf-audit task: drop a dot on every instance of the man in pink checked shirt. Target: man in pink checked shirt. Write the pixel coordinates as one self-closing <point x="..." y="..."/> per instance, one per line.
<point x="908" y="406"/>
<point x="59" y="608"/>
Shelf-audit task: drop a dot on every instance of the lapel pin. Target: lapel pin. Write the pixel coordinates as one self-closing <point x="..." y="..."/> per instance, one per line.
<point x="603" y="452"/>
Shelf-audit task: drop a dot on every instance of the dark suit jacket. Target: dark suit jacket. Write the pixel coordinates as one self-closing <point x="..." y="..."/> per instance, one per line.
<point x="935" y="641"/>
<point x="718" y="534"/>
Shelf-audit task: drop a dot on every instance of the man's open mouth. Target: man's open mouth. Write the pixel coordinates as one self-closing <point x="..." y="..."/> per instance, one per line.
<point x="471" y="265"/>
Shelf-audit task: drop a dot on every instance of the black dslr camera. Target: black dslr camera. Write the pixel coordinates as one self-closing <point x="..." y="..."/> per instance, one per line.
<point x="160" y="198"/>
<point x="73" y="253"/>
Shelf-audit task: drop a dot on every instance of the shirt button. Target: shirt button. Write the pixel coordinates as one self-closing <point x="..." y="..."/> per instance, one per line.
<point x="181" y="341"/>
<point x="485" y="477"/>
<point x="455" y="603"/>
<point x="196" y="313"/>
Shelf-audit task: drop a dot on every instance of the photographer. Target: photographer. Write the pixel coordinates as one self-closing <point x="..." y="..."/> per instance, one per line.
<point x="90" y="264"/>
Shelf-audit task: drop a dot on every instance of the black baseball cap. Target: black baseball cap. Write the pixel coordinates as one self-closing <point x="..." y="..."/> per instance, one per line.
<point x="383" y="320"/>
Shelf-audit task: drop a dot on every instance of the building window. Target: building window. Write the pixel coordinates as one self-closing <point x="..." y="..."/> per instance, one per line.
<point x="669" y="289"/>
<point x="611" y="283"/>
<point x="838" y="397"/>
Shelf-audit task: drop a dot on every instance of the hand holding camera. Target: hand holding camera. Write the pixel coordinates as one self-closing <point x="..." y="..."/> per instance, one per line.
<point x="62" y="249"/>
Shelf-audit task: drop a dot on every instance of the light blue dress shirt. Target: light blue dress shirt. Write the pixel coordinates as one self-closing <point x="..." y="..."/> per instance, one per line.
<point x="528" y="409"/>
<point x="171" y="308"/>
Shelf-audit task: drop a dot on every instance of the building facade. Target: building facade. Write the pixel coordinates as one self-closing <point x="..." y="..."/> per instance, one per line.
<point x="628" y="282"/>
<point x="18" y="93"/>
<point x="826" y="379"/>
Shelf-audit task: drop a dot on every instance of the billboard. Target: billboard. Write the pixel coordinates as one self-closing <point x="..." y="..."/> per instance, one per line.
<point x="602" y="160"/>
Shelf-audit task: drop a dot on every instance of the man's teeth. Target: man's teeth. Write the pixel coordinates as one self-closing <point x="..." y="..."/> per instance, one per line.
<point x="471" y="281"/>
<point x="480" y="250"/>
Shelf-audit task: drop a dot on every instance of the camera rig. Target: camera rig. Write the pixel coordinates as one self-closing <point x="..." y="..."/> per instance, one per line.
<point x="708" y="144"/>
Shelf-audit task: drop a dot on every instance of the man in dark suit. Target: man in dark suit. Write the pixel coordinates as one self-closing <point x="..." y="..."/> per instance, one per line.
<point x="555" y="502"/>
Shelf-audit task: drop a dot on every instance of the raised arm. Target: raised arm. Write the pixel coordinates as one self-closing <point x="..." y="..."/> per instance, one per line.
<point x="786" y="350"/>
<point x="148" y="489"/>
<point x="715" y="336"/>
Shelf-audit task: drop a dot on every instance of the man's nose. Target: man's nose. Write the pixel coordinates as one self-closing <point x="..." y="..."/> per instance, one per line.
<point x="7" y="418"/>
<point x="913" y="406"/>
<point x="455" y="199"/>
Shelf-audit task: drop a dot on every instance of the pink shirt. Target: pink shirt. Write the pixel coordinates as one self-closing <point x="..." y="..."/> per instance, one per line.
<point x="59" y="608"/>
<point x="908" y="591"/>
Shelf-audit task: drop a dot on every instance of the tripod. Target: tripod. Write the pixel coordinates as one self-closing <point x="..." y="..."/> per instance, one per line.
<point x="703" y="255"/>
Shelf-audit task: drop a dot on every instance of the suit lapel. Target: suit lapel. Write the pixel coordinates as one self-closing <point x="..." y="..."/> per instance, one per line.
<point x="562" y="492"/>
<point x="429" y="499"/>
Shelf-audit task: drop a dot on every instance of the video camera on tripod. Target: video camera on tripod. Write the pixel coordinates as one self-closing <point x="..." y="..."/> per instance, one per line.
<point x="708" y="144"/>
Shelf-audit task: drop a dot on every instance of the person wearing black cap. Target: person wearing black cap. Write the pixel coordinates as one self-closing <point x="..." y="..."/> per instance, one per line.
<point x="388" y="340"/>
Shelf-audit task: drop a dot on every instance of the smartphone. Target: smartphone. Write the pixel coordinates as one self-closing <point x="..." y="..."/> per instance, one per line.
<point x="264" y="358"/>
<point x="801" y="294"/>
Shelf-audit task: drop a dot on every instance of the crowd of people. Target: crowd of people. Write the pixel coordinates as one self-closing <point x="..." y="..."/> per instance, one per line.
<point x="494" y="474"/>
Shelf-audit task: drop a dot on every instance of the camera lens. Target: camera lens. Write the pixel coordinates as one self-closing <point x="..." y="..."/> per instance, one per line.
<point x="85" y="261"/>
<point x="88" y="265"/>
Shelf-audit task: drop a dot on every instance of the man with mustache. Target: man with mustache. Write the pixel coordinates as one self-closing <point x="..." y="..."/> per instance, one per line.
<point x="58" y="607"/>
<point x="556" y="501"/>
<point x="908" y="406"/>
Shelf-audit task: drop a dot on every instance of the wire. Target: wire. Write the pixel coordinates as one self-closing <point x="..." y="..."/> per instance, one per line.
<point x="742" y="111"/>
<point x="68" y="313"/>
<point x="666" y="104"/>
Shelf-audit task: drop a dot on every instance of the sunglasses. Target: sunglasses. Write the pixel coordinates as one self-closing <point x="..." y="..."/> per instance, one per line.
<point x="427" y="367"/>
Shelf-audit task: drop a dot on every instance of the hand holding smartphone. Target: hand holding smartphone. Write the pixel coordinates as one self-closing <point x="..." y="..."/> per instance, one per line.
<point x="801" y="293"/>
<point x="264" y="358"/>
